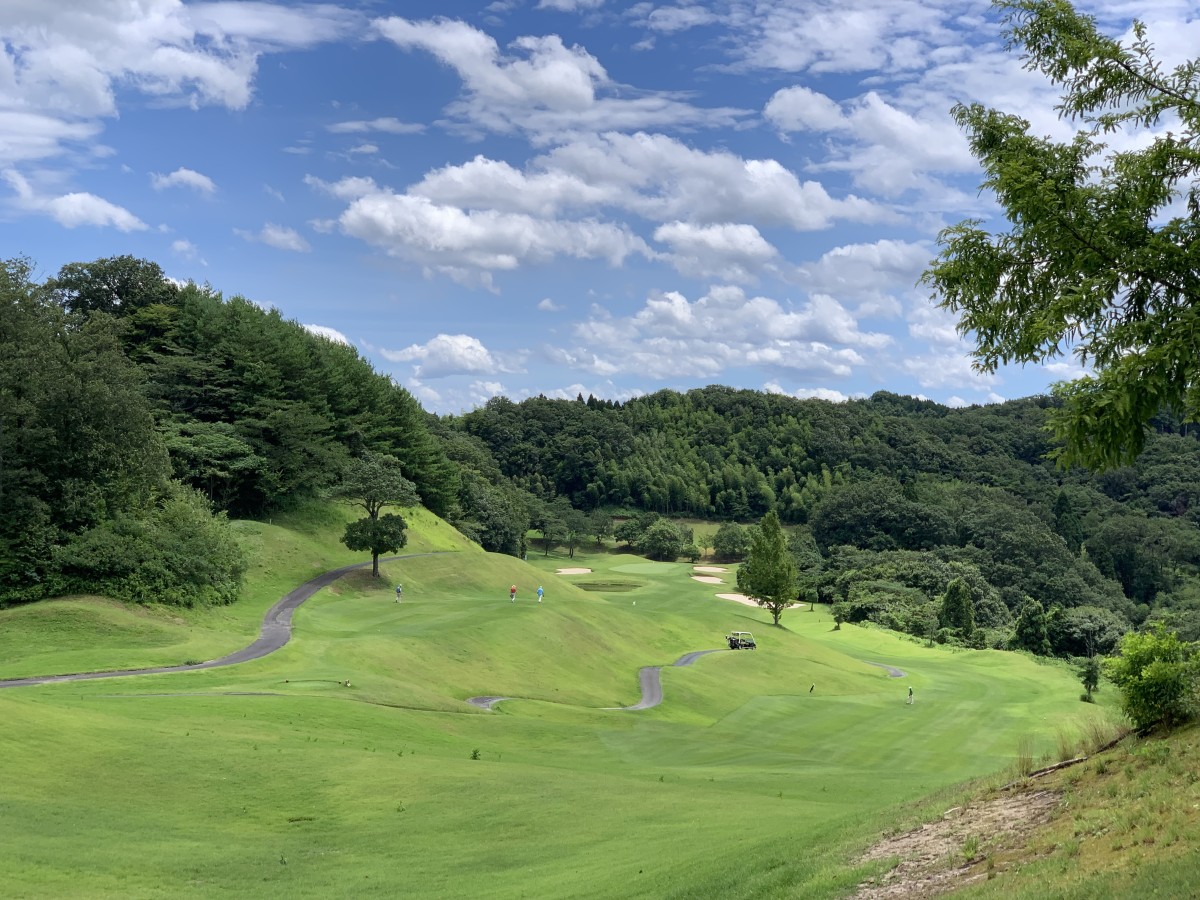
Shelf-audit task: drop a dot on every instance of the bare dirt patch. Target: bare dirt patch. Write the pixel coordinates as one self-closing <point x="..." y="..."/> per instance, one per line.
<point x="709" y="569"/>
<point x="707" y="579"/>
<point x="952" y="852"/>
<point x="573" y="572"/>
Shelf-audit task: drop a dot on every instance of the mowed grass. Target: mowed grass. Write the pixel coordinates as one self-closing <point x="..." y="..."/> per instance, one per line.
<point x="84" y="634"/>
<point x="277" y="778"/>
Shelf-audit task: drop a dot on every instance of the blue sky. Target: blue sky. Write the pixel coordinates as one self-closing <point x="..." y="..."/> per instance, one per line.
<point x="537" y="196"/>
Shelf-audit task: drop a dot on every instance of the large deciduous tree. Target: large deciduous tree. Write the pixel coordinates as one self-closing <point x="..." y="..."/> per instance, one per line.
<point x="731" y="541"/>
<point x="1102" y="253"/>
<point x="117" y="285"/>
<point x="385" y="534"/>
<point x="373" y="481"/>
<point x="768" y="575"/>
<point x="662" y="540"/>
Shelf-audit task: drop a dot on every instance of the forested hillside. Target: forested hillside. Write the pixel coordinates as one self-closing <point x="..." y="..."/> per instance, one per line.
<point x="132" y="408"/>
<point x="135" y="413"/>
<point x="893" y="497"/>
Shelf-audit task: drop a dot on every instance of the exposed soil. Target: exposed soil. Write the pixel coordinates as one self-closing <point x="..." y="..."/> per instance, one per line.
<point x="952" y="852"/>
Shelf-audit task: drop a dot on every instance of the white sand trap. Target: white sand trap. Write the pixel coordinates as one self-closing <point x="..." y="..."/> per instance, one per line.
<point x="707" y="579"/>
<point x="573" y="572"/>
<point x="738" y="598"/>
<point x="746" y="601"/>
<point x="709" y="569"/>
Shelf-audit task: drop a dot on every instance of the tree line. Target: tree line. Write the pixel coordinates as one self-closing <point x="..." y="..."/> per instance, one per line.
<point x="133" y="409"/>
<point x="137" y="414"/>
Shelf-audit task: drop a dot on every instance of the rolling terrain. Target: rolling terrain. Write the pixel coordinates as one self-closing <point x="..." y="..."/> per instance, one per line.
<point x="349" y="763"/>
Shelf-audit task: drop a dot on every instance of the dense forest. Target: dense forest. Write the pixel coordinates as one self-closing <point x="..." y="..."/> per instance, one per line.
<point x="132" y="409"/>
<point x="891" y="499"/>
<point x="136" y="414"/>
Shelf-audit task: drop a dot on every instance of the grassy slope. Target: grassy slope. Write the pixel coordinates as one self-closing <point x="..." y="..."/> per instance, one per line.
<point x="741" y="784"/>
<point x="83" y="634"/>
<point x="1126" y="827"/>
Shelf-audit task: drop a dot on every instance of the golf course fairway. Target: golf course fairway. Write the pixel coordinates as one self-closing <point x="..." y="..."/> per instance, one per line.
<point x="349" y="764"/>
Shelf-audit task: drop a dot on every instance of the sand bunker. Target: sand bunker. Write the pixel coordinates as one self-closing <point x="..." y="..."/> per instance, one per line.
<point x="710" y="568"/>
<point x="738" y="598"/>
<point x="743" y="599"/>
<point x="573" y="572"/>
<point x="707" y="579"/>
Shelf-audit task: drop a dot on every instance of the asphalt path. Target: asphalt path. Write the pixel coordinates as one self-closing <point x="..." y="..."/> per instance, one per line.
<point x="649" y="677"/>
<point x="275" y="633"/>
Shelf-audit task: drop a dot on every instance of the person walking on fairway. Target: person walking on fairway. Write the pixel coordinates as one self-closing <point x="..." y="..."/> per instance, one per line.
<point x="910" y="697"/>
<point x="512" y="594"/>
<point x="399" y="592"/>
<point x="539" y="593"/>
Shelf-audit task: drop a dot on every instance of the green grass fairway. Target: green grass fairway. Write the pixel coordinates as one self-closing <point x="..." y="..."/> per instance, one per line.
<point x="276" y="779"/>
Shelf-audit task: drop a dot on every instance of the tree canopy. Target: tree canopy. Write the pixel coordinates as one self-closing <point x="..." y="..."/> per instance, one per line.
<point x="1102" y="256"/>
<point x="768" y="575"/>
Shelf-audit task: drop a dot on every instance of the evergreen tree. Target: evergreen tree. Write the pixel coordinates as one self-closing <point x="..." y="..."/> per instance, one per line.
<point x="1066" y="522"/>
<point x="958" y="611"/>
<point x="1089" y="676"/>
<point x="1030" y="633"/>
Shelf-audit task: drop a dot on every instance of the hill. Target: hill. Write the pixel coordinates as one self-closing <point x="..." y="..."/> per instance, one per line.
<point x="134" y="408"/>
<point x="349" y="763"/>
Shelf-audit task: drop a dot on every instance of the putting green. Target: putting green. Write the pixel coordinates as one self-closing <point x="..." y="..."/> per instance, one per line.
<point x="275" y="779"/>
<point x="649" y="568"/>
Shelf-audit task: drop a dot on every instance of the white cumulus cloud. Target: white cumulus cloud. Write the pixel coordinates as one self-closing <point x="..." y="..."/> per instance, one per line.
<point x="278" y="236"/>
<point x="729" y="252"/>
<point x="385" y="124"/>
<point x="183" y="177"/>
<point x="449" y="354"/>
<point x="671" y="336"/>
<point x="448" y="238"/>
<point x="542" y="85"/>
<point x="75" y="209"/>
<point x="331" y="334"/>
<point x="772" y="387"/>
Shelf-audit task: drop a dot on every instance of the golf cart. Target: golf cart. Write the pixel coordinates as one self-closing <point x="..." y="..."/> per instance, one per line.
<point x="741" y="640"/>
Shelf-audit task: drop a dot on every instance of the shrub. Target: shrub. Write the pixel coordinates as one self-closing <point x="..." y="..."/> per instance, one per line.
<point x="1157" y="675"/>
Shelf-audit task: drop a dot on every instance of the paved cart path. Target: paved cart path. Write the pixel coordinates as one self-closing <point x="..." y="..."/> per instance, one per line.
<point x="275" y="633"/>
<point x="649" y="677"/>
<point x="892" y="671"/>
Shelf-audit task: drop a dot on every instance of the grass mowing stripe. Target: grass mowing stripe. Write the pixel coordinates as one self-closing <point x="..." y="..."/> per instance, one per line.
<point x="394" y="786"/>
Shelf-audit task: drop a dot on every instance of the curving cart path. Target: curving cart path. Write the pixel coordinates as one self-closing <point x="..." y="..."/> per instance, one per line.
<point x="275" y="633"/>
<point x="649" y="677"/>
<point x="892" y="671"/>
